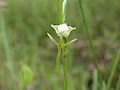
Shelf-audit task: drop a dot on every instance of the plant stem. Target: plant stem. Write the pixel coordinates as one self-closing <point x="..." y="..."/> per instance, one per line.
<point x="64" y="49"/>
<point x="57" y="66"/>
<point x="118" y="84"/>
<point x="58" y="59"/>
<point x="113" y="70"/>
<point x="89" y="37"/>
<point x="90" y="42"/>
<point x="65" y="62"/>
<point x="59" y="3"/>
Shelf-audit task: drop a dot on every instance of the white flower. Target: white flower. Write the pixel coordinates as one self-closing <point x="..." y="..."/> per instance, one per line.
<point x="63" y="30"/>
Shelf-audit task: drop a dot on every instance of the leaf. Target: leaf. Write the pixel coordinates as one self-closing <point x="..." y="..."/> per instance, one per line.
<point x="70" y="42"/>
<point x="103" y="86"/>
<point x="26" y="75"/>
<point x="95" y="80"/>
<point x="118" y="84"/>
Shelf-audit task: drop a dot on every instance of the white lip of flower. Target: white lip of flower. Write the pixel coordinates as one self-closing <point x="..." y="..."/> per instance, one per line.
<point x="63" y="30"/>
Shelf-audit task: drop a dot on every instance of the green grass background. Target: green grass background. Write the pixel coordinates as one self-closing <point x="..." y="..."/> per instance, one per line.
<point x="26" y="25"/>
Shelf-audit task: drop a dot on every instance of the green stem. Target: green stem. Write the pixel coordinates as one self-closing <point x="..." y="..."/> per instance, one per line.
<point x="65" y="62"/>
<point x="89" y="37"/>
<point x="57" y="66"/>
<point x="58" y="60"/>
<point x="90" y="42"/>
<point x="118" y="84"/>
<point x="113" y="70"/>
<point x="65" y="52"/>
<point x="59" y="3"/>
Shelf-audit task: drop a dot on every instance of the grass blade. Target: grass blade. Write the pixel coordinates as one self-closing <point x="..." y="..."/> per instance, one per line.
<point x="95" y="80"/>
<point x="89" y="37"/>
<point x="7" y="49"/>
<point x="113" y="70"/>
<point x="118" y="84"/>
<point x="103" y="86"/>
<point x="90" y="42"/>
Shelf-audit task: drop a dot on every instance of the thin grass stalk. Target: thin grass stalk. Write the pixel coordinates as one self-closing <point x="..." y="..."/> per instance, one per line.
<point x="89" y="37"/>
<point x="118" y="84"/>
<point x="113" y="70"/>
<point x="65" y="48"/>
<point x="65" y="62"/>
<point x="90" y="42"/>
<point x="8" y="53"/>
<point x="57" y="67"/>
<point x="103" y="85"/>
<point x="95" y="80"/>
<point x="59" y="4"/>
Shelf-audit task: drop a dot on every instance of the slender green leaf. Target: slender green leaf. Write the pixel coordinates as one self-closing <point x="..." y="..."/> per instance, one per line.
<point x="116" y="61"/>
<point x="95" y="80"/>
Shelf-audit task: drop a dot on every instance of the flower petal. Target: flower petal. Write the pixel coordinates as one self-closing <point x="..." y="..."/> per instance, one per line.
<point x="71" y="28"/>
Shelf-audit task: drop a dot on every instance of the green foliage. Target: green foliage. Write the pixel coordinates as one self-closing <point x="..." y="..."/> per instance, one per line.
<point x="118" y="84"/>
<point x="115" y="64"/>
<point x="26" y="75"/>
<point x="95" y="80"/>
<point x="26" y="23"/>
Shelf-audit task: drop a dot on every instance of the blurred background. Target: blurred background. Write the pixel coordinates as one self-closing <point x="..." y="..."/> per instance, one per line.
<point x="26" y="25"/>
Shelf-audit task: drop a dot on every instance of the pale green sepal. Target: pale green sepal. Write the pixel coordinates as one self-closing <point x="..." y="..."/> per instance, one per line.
<point x="55" y="27"/>
<point x="71" y="28"/>
<point x="70" y="42"/>
<point x="66" y="34"/>
<point x="52" y="39"/>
